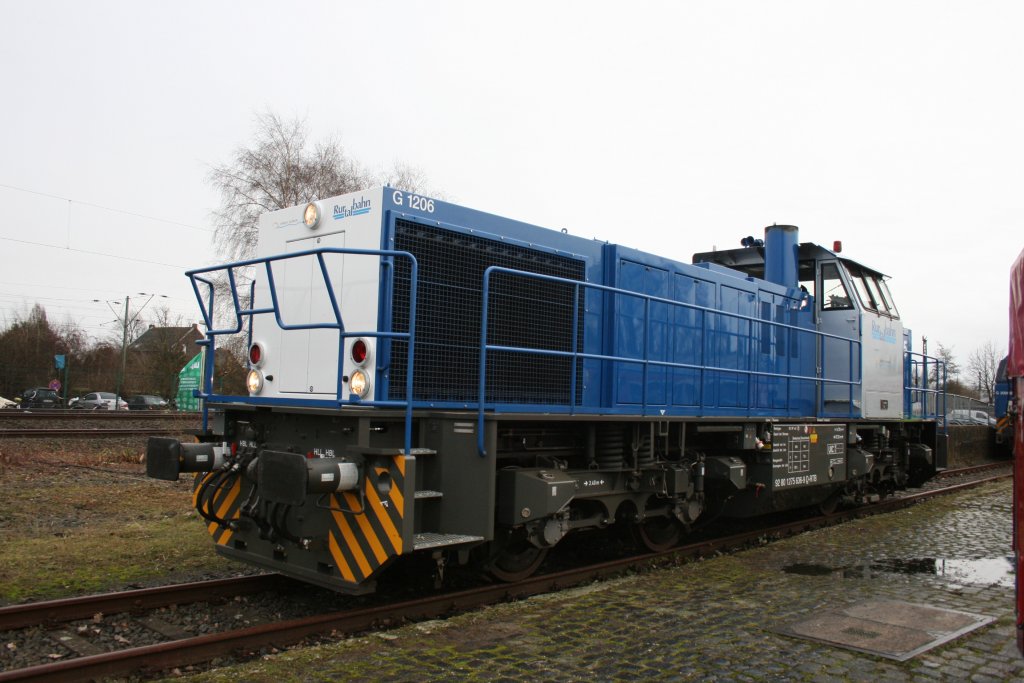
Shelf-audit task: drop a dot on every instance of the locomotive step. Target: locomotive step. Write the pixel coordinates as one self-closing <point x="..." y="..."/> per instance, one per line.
<point x="420" y="495"/>
<point x="431" y="540"/>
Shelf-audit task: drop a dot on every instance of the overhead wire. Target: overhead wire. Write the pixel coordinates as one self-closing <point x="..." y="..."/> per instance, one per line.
<point x="191" y="312"/>
<point x="94" y="253"/>
<point x="105" y="208"/>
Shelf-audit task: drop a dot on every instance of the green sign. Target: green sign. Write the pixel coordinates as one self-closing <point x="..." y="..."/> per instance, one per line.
<point x="190" y="379"/>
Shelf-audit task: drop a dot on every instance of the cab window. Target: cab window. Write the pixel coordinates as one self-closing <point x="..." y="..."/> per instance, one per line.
<point x="862" y="291"/>
<point x="887" y="296"/>
<point x="834" y="293"/>
<point x="876" y="294"/>
<point x="869" y="298"/>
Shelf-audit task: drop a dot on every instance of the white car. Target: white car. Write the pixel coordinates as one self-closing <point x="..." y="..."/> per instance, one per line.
<point x="101" y="400"/>
<point x="971" y="417"/>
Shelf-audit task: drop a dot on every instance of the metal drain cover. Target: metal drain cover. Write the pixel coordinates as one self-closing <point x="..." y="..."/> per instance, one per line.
<point x="887" y="628"/>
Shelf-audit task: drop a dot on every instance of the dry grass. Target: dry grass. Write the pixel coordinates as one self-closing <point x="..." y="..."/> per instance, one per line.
<point x="88" y="520"/>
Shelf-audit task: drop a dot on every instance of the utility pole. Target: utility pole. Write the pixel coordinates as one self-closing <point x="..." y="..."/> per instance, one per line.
<point x="124" y="353"/>
<point x="125" y="321"/>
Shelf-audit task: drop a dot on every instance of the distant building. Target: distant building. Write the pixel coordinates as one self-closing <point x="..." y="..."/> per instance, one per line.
<point x="179" y="339"/>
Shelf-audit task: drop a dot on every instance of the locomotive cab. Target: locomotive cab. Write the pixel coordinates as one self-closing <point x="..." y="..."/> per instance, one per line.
<point x="850" y="302"/>
<point x="856" y="303"/>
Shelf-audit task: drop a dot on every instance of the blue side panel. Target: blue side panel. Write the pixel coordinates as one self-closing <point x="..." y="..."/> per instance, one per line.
<point x="771" y="353"/>
<point x="731" y="344"/>
<point x="688" y="332"/>
<point x="1002" y="402"/>
<point x="803" y="353"/>
<point x="703" y="358"/>
<point x="593" y="333"/>
<point x="631" y="336"/>
<point x="732" y="361"/>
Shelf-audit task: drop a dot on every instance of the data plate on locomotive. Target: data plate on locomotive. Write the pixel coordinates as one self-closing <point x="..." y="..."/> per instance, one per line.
<point x="808" y="455"/>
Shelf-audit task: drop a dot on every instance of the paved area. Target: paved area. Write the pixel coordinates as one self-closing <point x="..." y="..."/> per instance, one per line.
<point x="717" y="619"/>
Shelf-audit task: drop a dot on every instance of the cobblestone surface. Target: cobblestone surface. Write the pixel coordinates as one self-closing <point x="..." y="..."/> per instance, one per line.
<point x="713" y="620"/>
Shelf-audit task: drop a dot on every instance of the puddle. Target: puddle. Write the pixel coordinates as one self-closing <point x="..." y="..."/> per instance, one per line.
<point x="809" y="569"/>
<point x="985" y="572"/>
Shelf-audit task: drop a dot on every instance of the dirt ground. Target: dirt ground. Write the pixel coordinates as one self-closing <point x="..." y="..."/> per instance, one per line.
<point x="81" y="517"/>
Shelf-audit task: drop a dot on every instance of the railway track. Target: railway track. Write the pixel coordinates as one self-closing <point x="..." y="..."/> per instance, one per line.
<point x="104" y="415"/>
<point x="179" y="649"/>
<point x="71" y="433"/>
<point x="76" y="424"/>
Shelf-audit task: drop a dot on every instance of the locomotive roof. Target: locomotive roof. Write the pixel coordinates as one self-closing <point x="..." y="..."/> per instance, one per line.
<point x="750" y="260"/>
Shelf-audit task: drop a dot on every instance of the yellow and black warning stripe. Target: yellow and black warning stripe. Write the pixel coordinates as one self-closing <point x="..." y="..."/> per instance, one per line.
<point x="225" y="504"/>
<point x="366" y="531"/>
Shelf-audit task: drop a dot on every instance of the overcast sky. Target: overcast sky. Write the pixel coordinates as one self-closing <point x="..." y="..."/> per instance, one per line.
<point x="673" y="127"/>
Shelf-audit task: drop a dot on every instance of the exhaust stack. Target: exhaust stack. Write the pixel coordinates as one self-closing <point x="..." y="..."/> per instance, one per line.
<point x="781" y="247"/>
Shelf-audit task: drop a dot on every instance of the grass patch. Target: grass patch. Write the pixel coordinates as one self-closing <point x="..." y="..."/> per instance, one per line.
<point x="67" y="529"/>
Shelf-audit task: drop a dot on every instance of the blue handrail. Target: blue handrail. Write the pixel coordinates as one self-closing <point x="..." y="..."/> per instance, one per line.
<point x="645" y="361"/>
<point x="918" y="372"/>
<point x="207" y="309"/>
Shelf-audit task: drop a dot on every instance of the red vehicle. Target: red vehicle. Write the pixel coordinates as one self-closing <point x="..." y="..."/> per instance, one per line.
<point x="1015" y="374"/>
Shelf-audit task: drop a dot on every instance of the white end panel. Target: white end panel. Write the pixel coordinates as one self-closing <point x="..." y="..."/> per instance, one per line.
<point x="304" y="363"/>
<point x="310" y="356"/>
<point x="882" y="351"/>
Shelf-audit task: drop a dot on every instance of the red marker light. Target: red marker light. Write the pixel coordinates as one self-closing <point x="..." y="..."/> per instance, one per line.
<point x="255" y="354"/>
<point x="359" y="351"/>
<point x="837" y="246"/>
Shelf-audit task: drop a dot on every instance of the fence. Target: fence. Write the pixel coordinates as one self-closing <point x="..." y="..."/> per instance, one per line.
<point x="957" y="402"/>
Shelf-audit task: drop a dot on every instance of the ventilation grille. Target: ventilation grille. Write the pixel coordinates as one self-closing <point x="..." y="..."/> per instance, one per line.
<point x="523" y="312"/>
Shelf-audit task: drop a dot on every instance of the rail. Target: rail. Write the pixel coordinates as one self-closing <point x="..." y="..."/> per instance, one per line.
<point x="924" y="387"/>
<point x="387" y="257"/>
<point x="646" y="362"/>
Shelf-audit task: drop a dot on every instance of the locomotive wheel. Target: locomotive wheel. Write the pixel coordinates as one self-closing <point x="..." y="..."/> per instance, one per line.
<point x="828" y="506"/>
<point x="515" y="559"/>
<point x="657" y="533"/>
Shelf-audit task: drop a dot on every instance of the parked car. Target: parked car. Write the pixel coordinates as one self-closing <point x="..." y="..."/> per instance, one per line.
<point x="971" y="417"/>
<point x="7" y="403"/>
<point x="147" y="402"/>
<point x="40" y="397"/>
<point x="101" y="400"/>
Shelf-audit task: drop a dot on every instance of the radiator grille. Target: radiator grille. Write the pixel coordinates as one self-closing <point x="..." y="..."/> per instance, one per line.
<point x="523" y="312"/>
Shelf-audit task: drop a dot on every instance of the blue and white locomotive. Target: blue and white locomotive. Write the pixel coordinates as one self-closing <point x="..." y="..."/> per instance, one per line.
<point x="427" y="378"/>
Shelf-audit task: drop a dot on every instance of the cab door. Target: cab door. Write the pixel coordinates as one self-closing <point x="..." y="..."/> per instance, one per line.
<point x="881" y="346"/>
<point x="838" y="359"/>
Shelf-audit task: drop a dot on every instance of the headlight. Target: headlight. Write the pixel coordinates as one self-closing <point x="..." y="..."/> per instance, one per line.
<point x="311" y="216"/>
<point x="359" y="384"/>
<point x="254" y="381"/>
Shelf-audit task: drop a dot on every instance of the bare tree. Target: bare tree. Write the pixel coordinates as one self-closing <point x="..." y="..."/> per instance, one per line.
<point x="413" y="179"/>
<point x="27" y="348"/>
<point x="279" y="169"/>
<point x="952" y="371"/>
<point x="945" y="354"/>
<point x="282" y="168"/>
<point x="981" y="367"/>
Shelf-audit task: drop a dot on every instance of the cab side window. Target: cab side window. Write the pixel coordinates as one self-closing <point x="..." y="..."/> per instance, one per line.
<point x="834" y="295"/>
